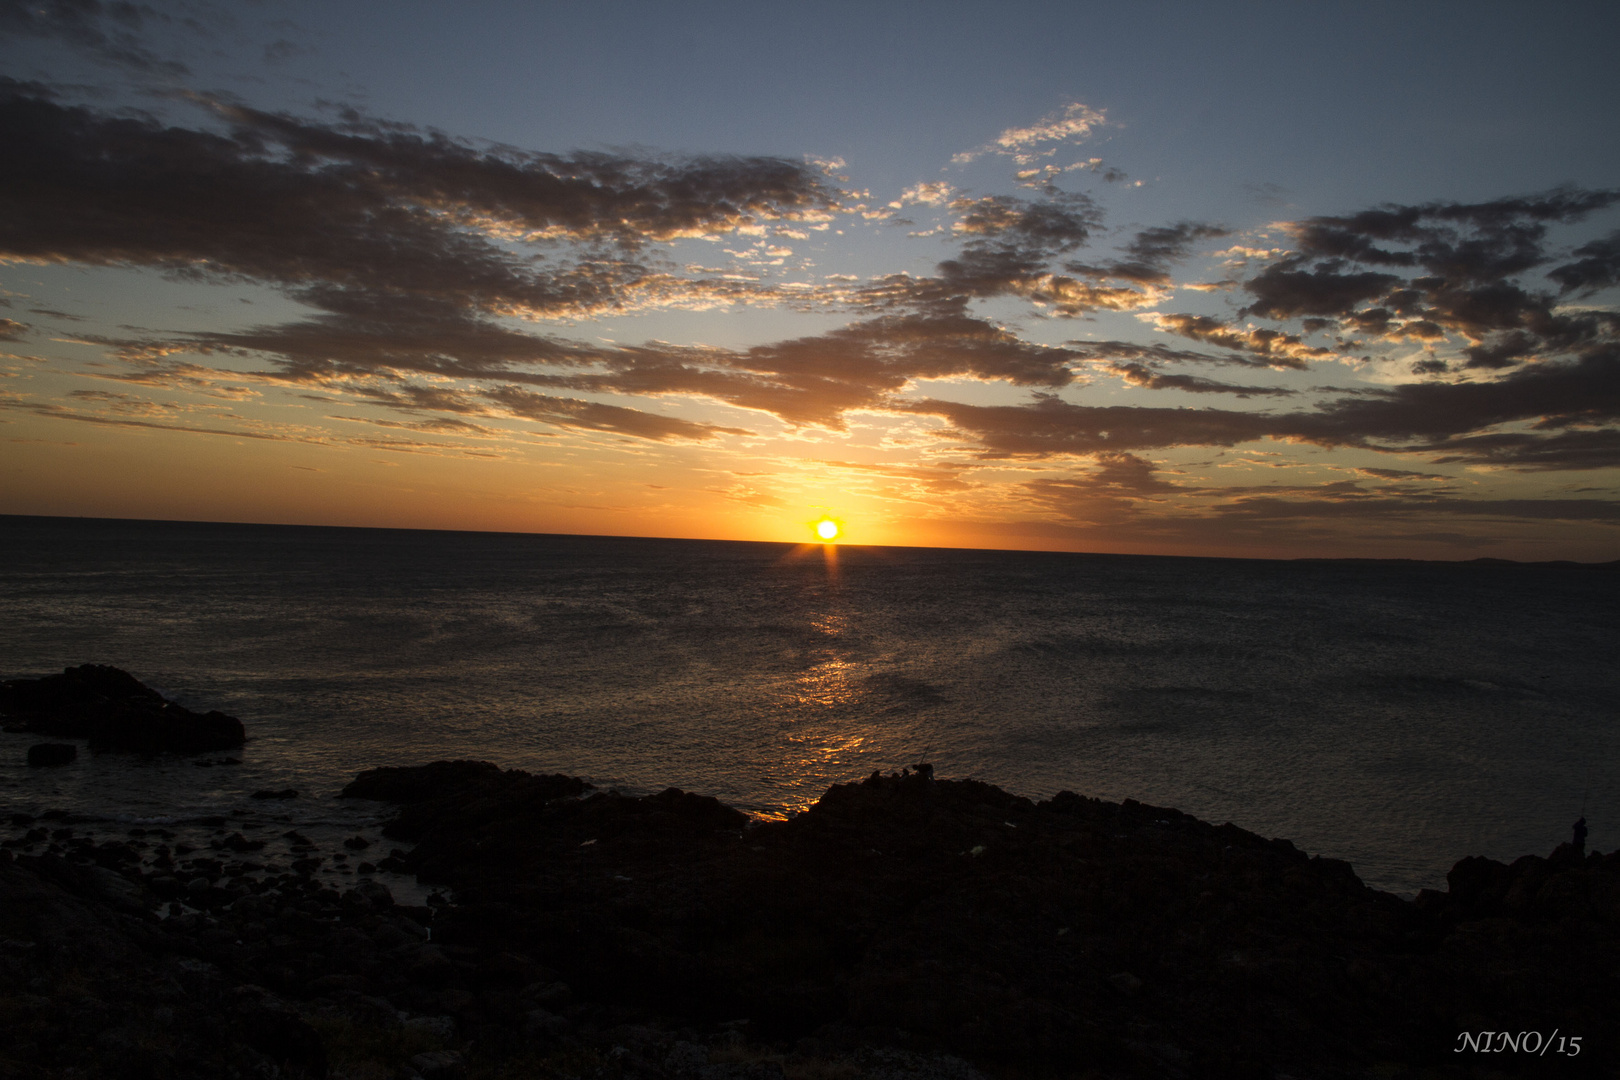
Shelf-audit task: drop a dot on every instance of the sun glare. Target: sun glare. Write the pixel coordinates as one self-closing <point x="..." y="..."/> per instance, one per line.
<point x="827" y="529"/>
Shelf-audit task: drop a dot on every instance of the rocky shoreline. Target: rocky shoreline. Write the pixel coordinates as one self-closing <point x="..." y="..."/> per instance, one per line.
<point x="904" y="926"/>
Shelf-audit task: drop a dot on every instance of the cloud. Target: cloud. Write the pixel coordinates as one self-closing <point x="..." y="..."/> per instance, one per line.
<point x="936" y="193"/>
<point x="359" y="209"/>
<point x="1144" y="376"/>
<point x="1366" y="505"/>
<point x="1026" y="145"/>
<point x="1399" y="474"/>
<point x="595" y="416"/>
<point x="1438" y="269"/>
<point x="109" y="31"/>
<point x="1008" y="247"/>
<point x="1598" y="269"/>
<point x="1116" y="491"/>
<point x="1152" y="253"/>
<point x="1561" y="415"/>
<point x="809" y="380"/>
<point x="1159" y="353"/>
<point x="1274" y="347"/>
<point x="419" y="253"/>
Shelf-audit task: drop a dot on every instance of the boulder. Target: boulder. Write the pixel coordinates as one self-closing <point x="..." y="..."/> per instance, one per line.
<point x="114" y="711"/>
<point x="51" y="753"/>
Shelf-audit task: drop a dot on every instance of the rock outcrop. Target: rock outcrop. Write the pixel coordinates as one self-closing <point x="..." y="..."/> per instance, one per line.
<point x="51" y="753"/>
<point x="114" y="711"/>
<point x="952" y="917"/>
<point x="903" y="927"/>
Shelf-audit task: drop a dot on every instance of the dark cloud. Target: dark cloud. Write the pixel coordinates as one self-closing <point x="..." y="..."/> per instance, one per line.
<point x="595" y="416"/>
<point x="1365" y="505"/>
<point x="1598" y="268"/>
<point x="1400" y="474"/>
<point x="281" y="50"/>
<point x="1011" y="241"/>
<point x="1281" y="291"/>
<point x="1125" y="500"/>
<point x="1008" y="246"/>
<point x="1157" y="353"/>
<point x="110" y="31"/>
<point x="360" y="213"/>
<point x="1435" y="269"/>
<point x="1565" y="412"/>
<point x="1144" y="376"/>
<point x="1436" y="415"/>
<point x="1051" y="427"/>
<point x="416" y="251"/>
<point x="1150" y="256"/>
<point x="1051" y="226"/>
<point x="810" y="380"/>
<point x="11" y="330"/>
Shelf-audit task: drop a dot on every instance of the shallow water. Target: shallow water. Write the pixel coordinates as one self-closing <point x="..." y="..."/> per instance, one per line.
<point x="1399" y="715"/>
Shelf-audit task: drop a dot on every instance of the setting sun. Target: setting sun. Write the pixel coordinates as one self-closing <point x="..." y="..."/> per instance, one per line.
<point x="827" y="529"/>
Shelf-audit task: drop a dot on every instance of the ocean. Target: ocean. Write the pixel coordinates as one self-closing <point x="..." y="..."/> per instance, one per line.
<point x="1399" y="715"/>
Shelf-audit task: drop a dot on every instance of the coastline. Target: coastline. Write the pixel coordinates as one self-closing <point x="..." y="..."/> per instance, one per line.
<point x="903" y="926"/>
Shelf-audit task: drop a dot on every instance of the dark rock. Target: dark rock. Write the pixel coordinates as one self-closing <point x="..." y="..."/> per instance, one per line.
<point x="284" y="793"/>
<point x="44" y="754"/>
<point x="438" y="1064"/>
<point x="901" y="928"/>
<point x="430" y="966"/>
<point x="114" y="711"/>
<point x="357" y="843"/>
<point x="284" y="1037"/>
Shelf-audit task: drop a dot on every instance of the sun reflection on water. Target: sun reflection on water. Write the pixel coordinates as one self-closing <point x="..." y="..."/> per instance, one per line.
<point x="828" y="685"/>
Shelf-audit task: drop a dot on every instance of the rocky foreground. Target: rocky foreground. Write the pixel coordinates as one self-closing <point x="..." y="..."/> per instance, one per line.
<point x="903" y="927"/>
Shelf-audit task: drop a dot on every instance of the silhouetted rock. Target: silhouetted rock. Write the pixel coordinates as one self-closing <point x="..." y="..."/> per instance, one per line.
<point x="284" y="793"/>
<point x="904" y="926"/>
<point x="114" y="711"/>
<point x="956" y="917"/>
<point x="44" y="754"/>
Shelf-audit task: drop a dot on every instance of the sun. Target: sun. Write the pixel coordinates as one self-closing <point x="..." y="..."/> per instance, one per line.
<point x="827" y="529"/>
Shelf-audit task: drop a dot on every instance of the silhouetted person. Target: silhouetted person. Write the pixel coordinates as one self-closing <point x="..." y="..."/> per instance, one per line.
<point x="1580" y="836"/>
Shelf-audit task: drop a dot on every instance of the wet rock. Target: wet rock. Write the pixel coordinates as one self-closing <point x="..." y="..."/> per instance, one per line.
<point x="429" y="966"/>
<point x="48" y="754"/>
<point x="284" y="1037"/>
<point x="436" y="1064"/>
<point x="442" y="1028"/>
<point x="114" y="711"/>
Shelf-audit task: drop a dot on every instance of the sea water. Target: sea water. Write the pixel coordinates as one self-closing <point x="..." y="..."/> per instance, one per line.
<point x="1398" y="715"/>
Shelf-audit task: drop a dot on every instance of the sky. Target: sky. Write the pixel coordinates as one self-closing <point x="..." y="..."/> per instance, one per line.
<point x="1253" y="280"/>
